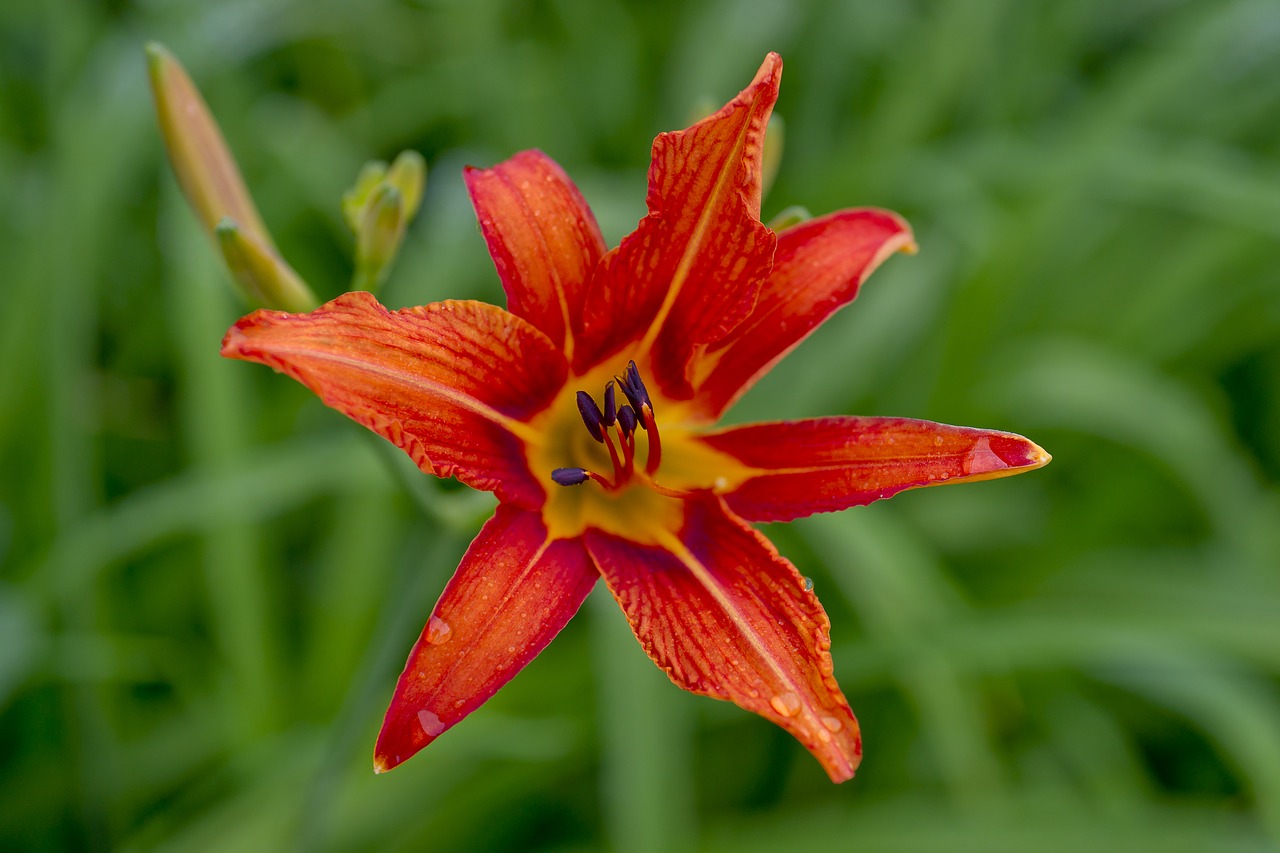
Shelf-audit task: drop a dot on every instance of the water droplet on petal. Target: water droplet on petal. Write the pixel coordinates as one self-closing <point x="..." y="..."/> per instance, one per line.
<point x="833" y="724"/>
<point x="981" y="459"/>
<point x="438" y="631"/>
<point x="430" y="723"/>
<point x="786" y="704"/>
<point x="937" y="440"/>
<point x="808" y="584"/>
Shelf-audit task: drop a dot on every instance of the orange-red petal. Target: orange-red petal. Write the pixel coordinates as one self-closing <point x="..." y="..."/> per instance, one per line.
<point x="451" y="383"/>
<point x="726" y="616"/>
<point x="690" y="271"/>
<point x="543" y="238"/>
<point x="515" y="590"/>
<point x="818" y="268"/>
<point x="830" y="464"/>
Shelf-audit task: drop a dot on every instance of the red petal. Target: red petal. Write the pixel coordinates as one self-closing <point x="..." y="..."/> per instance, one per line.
<point x="543" y="238"/>
<point x="512" y="594"/>
<point x="818" y="268"/>
<point x="450" y="383"/>
<point x="831" y="464"/>
<point x="725" y="616"/>
<point x="690" y="271"/>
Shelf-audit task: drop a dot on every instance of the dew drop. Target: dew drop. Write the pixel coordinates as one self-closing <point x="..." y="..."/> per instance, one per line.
<point x="833" y="724"/>
<point x="438" y="631"/>
<point x="981" y="459"/>
<point x="786" y="704"/>
<point x="430" y="723"/>
<point x="808" y="584"/>
<point x="937" y="440"/>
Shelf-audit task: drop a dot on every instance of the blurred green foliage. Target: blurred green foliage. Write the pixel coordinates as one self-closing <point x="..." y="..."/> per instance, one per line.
<point x="208" y="582"/>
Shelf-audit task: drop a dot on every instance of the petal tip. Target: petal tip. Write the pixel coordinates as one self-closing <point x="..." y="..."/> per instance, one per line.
<point x="1038" y="457"/>
<point x="998" y="455"/>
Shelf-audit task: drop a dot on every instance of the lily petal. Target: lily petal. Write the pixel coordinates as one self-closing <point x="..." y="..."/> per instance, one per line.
<point x="451" y="383"/>
<point x="515" y="590"/>
<point x="543" y="238"/>
<point x="726" y="616"/>
<point x="690" y="271"/>
<point x="829" y="464"/>
<point x="818" y="268"/>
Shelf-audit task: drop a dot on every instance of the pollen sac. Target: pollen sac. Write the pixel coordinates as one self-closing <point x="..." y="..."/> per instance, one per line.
<point x="637" y="394"/>
<point x="627" y="419"/>
<point x="570" y="476"/>
<point x="610" y="405"/>
<point x="591" y="416"/>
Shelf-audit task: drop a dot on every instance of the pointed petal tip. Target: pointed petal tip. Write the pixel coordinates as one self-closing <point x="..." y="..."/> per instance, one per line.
<point x="771" y="67"/>
<point x="1003" y="455"/>
<point x="840" y="757"/>
<point x="1038" y="456"/>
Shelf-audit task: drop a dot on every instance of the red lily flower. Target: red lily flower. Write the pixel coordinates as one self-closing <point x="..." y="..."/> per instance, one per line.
<point x="587" y="408"/>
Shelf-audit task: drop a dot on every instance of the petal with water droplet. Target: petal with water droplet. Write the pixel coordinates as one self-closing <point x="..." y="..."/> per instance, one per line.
<point x="725" y="615"/>
<point x="829" y="464"/>
<point x="511" y="567"/>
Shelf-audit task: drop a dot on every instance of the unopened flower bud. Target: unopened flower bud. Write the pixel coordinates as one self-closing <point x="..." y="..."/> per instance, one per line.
<point x="263" y="276"/>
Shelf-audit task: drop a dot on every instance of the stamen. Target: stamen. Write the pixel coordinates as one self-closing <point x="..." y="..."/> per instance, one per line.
<point x="591" y="416"/>
<point x="578" y="476"/>
<point x="627" y="420"/>
<point x="610" y="405"/>
<point x="636" y="413"/>
<point x="619" y="475"/>
<point x="570" y="476"/>
<point x="637" y="384"/>
<point x="633" y="387"/>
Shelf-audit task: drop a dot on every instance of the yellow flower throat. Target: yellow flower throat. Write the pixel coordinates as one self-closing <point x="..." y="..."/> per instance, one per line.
<point x="608" y="467"/>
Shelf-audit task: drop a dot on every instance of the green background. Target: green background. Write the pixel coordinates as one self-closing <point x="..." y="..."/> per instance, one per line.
<point x="208" y="582"/>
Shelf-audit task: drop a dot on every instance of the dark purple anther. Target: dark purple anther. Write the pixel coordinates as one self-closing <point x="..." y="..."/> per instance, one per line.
<point x="637" y="387"/>
<point x="591" y="416"/>
<point x="610" y="405"/>
<point x="570" y="476"/>
<point x="627" y="418"/>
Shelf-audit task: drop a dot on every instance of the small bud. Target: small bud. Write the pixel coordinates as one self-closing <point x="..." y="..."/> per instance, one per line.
<point x="210" y="180"/>
<point x="379" y="237"/>
<point x="263" y="276"/>
<point x="356" y="199"/>
<point x="203" y="164"/>
<point x="378" y="208"/>
<point x="408" y="174"/>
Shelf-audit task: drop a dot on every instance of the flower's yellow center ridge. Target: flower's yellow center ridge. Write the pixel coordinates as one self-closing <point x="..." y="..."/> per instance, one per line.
<point x="608" y="466"/>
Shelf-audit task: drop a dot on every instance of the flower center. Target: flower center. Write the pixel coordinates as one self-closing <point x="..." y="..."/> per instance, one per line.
<point x="612" y="469"/>
<point x="636" y="413"/>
